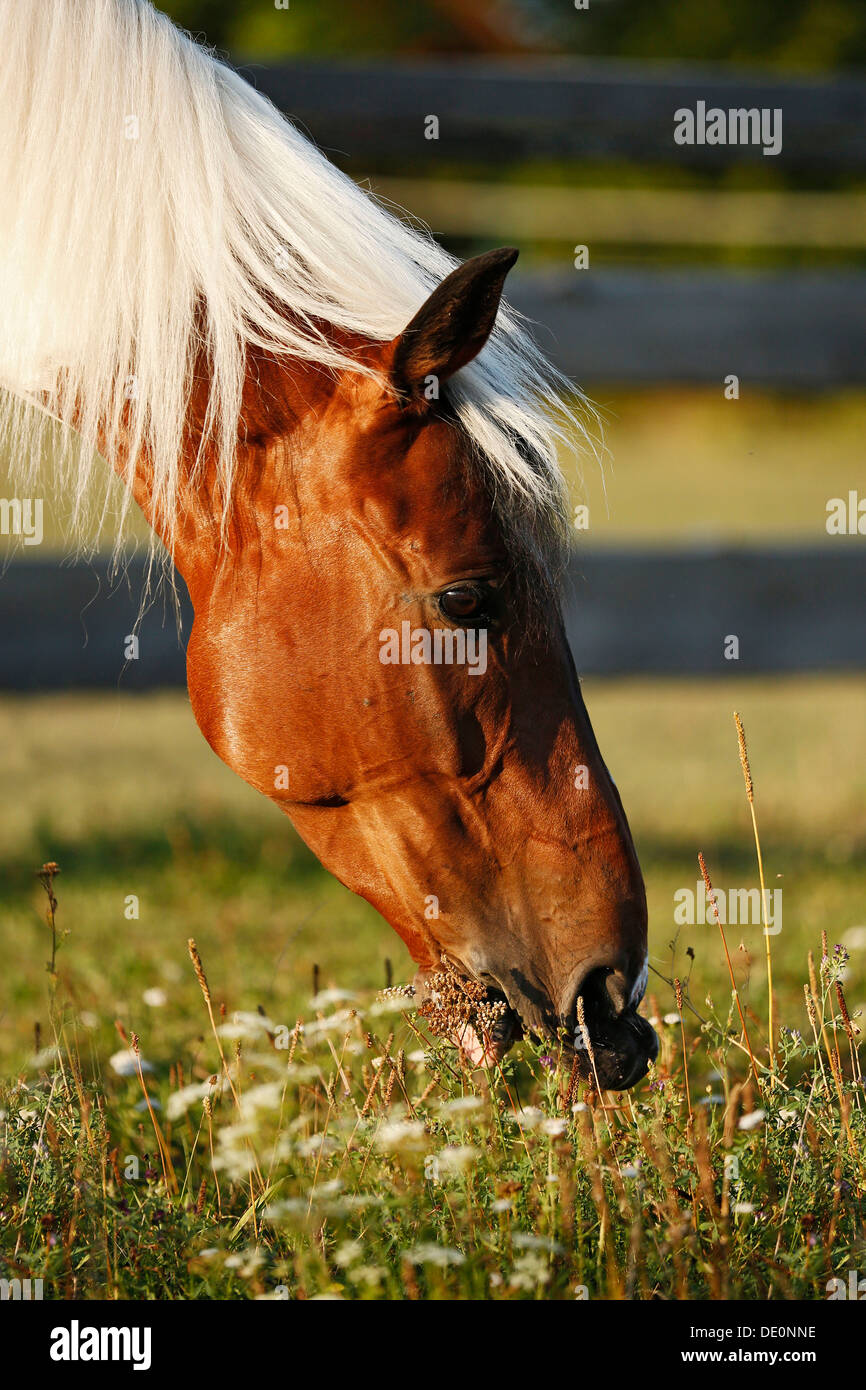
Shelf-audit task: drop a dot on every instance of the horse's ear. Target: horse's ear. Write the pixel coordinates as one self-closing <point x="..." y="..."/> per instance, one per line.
<point x="451" y="327"/>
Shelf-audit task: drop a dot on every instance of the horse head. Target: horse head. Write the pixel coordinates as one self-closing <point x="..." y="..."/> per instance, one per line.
<point x="379" y="651"/>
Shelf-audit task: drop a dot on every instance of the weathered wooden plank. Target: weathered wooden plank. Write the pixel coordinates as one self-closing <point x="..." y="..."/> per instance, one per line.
<point x="803" y="329"/>
<point x="670" y="614"/>
<point x="63" y="627"/>
<point x="364" y="113"/>
<point x="66" y="625"/>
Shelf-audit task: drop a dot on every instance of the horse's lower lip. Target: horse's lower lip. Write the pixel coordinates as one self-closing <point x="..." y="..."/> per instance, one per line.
<point x="492" y="1047"/>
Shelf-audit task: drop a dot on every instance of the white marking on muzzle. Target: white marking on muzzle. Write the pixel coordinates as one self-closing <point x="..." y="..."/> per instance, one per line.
<point x="640" y="984"/>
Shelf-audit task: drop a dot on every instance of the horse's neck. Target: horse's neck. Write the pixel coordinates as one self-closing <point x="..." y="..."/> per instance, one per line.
<point x="277" y="398"/>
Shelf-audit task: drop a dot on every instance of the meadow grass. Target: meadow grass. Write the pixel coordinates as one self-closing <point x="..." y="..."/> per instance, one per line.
<point x="260" y="1121"/>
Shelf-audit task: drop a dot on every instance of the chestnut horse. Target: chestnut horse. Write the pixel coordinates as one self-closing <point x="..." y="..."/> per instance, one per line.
<point x="346" y="445"/>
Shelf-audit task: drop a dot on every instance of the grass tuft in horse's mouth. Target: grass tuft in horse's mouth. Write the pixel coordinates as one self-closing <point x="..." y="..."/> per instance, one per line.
<point x="475" y="1017"/>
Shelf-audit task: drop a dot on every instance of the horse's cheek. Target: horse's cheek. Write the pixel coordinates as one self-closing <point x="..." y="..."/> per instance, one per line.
<point x="202" y="692"/>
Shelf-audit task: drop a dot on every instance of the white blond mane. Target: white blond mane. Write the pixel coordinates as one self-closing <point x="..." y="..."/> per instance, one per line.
<point x="153" y="204"/>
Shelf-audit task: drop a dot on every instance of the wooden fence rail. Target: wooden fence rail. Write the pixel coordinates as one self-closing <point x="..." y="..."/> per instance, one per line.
<point x="627" y="612"/>
<point x="800" y="330"/>
<point x="793" y="330"/>
<point x="505" y="111"/>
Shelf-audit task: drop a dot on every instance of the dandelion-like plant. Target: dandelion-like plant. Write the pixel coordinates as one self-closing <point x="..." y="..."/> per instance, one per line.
<point x="455" y="1004"/>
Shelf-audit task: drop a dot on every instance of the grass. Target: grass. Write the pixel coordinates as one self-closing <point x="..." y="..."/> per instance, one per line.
<point x="686" y="465"/>
<point x="354" y="1157"/>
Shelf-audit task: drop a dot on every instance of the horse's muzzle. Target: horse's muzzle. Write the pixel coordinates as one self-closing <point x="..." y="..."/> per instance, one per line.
<point x="621" y="1052"/>
<point x="621" y="1043"/>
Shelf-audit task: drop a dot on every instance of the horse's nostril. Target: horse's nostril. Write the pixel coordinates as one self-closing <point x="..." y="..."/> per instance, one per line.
<point x="597" y="1000"/>
<point x="611" y="991"/>
<point x="617" y="992"/>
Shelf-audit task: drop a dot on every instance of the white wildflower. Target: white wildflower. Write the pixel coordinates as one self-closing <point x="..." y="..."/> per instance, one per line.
<point x="333" y="1023"/>
<point x="400" y="1134"/>
<point x="267" y="1096"/>
<point x="329" y="1188"/>
<point x="315" y="1145"/>
<point x="246" y="1262"/>
<point x="246" y="1026"/>
<point x="43" y="1059"/>
<point x="237" y="1164"/>
<point x="529" y="1117"/>
<point x="457" y="1158"/>
<point x="529" y="1271"/>
<point x="462" y="1105"/>
<point x="751" y="1120"/>
<point x="303" y="1072"/>
<point x="429" y="1254"/>
<point x="371" y="1275"/>
<point x="359" y="1201"/>
<point x="555" y="1127"/>
<point x="180" y="1101"/>
<point x="347" y="1253"/>
<point x="326" y="997"/>
<point x="393" y="1004"/>
<point x="286" y="1208"/>
<point x="524" y="1240"/>
<point x="125" y="1063"/>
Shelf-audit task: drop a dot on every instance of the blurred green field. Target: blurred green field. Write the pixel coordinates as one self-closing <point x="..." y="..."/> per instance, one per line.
<point x="687" y="466"/>
<point x="122" y="791"/>
<point x="674" y="465"/>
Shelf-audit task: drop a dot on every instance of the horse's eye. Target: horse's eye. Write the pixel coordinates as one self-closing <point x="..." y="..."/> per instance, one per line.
<point x="463" y="603"/>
